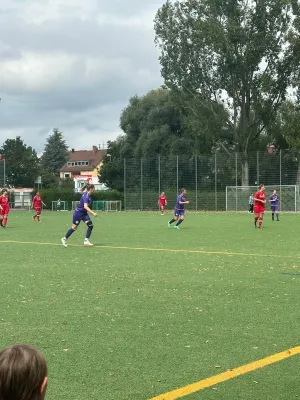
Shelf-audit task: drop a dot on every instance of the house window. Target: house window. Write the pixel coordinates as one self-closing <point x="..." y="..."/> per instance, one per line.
<point x="77" y="163"/>
<point x="67" y="175"/>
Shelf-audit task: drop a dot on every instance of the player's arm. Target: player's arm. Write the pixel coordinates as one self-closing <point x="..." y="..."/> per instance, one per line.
<point x="184" y="202"/>
<point x="87" y="208"/>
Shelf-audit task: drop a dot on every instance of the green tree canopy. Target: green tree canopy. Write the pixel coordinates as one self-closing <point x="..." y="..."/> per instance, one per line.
<point x="55" y="153"/>
<point x="22" y="165"/>
<point x="242" y="54"/>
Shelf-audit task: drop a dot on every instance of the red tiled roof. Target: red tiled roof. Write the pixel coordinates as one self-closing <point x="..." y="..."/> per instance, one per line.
<point x="94" y="157"/>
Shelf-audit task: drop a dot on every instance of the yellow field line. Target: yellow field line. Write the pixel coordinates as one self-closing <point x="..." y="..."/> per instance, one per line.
<point x="225" y="376"/>
<point x="226" y="253"/>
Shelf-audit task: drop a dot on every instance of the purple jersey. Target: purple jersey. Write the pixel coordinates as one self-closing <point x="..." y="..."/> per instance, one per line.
<point x="178" y="205"/>
<point x="85" y="199"/>
<point x="274" y="200"/>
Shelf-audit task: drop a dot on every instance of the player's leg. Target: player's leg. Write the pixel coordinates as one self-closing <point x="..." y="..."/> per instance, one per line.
<point x="38" y="214"/>
<point x="277" y="214"/>
<point x="35" y="214"/>
<point x="256" y="216"/>
<point x="90" y="226"/>
<point x="162" y="210"/>
<point x="174" y="219"/>
<point x="180" y="220"/>
<point x="273" y="212"/>
<point x="1" y="218"/>
<point x="76" y="222"/>
<point x="5" y="218"/>
<point x="260" y="219"/>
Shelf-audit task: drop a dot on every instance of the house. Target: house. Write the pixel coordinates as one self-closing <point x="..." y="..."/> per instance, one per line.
<point x="83" y="167"/>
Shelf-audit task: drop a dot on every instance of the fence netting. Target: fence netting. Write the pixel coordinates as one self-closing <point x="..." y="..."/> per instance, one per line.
<point x="210" y="178"/>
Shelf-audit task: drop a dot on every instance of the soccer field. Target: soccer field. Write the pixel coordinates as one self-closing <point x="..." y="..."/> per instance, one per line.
<point x="148" y="309"/>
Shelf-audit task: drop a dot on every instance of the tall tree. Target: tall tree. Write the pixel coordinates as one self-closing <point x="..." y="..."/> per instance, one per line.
<point x="55" y="153"/>
<point x="21" y="163"/>
<point x="242" y="53"/>
<point x="112" y="171"/>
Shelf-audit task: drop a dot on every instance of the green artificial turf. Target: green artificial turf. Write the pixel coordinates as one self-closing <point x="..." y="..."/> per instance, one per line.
<point x="151" y="309"/>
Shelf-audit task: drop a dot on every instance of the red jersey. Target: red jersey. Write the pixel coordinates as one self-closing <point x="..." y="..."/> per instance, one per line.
<point x="37" y="202"/>
<point x="4" y="202"/>
<point x="162" y="200"/>
<point x="259" y="196"/>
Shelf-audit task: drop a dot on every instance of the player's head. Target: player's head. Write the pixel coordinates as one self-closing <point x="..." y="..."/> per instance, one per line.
<point x="23" y="373"/>
<point x="89" y="187"/>
<point x="274" y="191"/>
<point x="37" y="193"/>
<point x="162" y="193"/>
<point x="4" y="191"/>
<point x="182" y="191"/>
<point x="262" y="187"/>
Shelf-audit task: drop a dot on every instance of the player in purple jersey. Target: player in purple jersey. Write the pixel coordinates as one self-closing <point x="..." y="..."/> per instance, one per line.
<point x="81" y="214"/>
<point x="179" y="209"/>
<point x="274" y="201"/>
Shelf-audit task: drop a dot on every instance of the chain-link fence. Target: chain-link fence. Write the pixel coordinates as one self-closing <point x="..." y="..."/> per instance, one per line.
<point x="207" y="178"/>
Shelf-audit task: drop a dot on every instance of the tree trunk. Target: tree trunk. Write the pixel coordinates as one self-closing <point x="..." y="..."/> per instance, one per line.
<point x="245" y="170"/>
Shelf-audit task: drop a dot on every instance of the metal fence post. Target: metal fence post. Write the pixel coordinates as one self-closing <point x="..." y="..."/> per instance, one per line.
<point x="236" y="180"/>
<point x="257" y="168"/>
<point x="280" y="176"/>
<point x="196" y="179"/>
<point x="159" y="188"/>
<point x="4" y="173"/>
<point x="141" y="184"/>
<point x="125" y="184"/>
<point x="177" y="173"/>
<point x="216" y="183"/>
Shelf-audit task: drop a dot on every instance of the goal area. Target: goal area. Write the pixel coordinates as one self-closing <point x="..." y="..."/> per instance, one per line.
<point x="62" y="207"/>
<point x="101" y="205"/>
<point x="237" y="197"/>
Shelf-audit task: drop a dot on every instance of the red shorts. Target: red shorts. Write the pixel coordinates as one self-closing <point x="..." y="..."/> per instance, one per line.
<point x="38" y="210"/>
<point x="162" y="204"/>
<point x="5" y="210"/>
<point x="259" y="209"/>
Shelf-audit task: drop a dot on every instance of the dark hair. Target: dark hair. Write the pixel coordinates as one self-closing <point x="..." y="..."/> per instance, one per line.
<point x="88" y="186"/>
<point x="4" y="190"/>
<point x="182" y="190"/>
<point x="23" y="370"/>
<point x="261" y="185"/>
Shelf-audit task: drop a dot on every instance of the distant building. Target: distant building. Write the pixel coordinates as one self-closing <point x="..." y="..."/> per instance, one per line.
<point x="83" y="167"/>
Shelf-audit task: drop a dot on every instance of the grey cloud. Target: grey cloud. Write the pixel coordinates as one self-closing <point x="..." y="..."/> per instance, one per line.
<point x="82" y="101"/>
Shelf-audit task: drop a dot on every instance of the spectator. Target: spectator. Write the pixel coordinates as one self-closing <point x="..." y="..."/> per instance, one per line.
<point x="23" y="373"/>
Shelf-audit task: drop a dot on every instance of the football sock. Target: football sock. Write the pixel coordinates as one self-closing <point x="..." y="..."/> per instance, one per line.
<point x="69" y="233"/>
<point x="1" y="222"/>
<point x="260" y="221"/>
<point x="272" y="216"/>
<point x="88" y="233"/>
<point x="38" y="218"/>
<point x="277" y="217"/>
<point x="5" y="221"/>
<point x="255" y="220"/>
<point x="172" y="220"/>
<point x="179" y="222"/>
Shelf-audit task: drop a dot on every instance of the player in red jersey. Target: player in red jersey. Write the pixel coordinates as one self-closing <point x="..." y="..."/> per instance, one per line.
<point x="162" y="202"/>
<point x="259" y="206"/>
<point x="37" y="206"/>
<point x="4" y="208"/>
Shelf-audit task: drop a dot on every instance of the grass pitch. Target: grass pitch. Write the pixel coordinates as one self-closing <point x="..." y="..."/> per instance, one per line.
<point x="151" y="309"/>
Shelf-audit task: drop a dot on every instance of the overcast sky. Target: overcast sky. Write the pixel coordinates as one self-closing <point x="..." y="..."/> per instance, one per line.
<point x="73" y="64"/>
